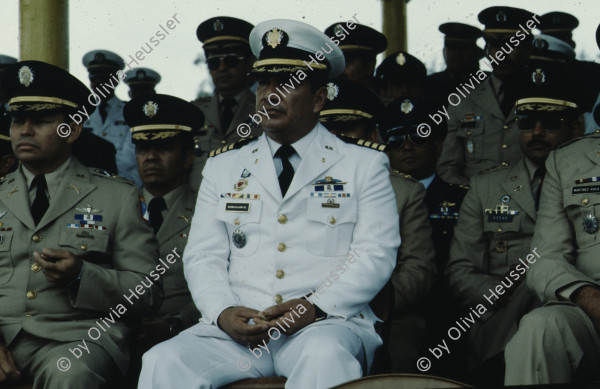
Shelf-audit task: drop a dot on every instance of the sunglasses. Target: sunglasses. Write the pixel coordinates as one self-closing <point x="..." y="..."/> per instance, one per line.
<point x="549" y="121"/>
<point x="230" y="60"/>
<point x="397" y="142"/>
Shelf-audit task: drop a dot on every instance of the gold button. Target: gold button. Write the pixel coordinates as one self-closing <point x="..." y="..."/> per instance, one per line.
<point x="31" y="294"/>
<point x="27" y="315"/>
<point x="584" y="201"/>
<point x="282" y="219"/>
<point x="36" y="268"/>
<point x="499" y="229"/>
<point x="505" y="127"/>
<point x="83" y="247"/>
<point x="236" y="222"/>
<point x="332" y="220"/>
<point x="223" y="141"/>
<point x="36" y="238"/>
<point x="468" y="132"/>
<point x="279" y="274"/>
<point x="281" y="247"/>
<point x="278" y="299"/>
<point x="445" y="232"/>
<point x="504" y="146"/>
<point x="504" y="163"/>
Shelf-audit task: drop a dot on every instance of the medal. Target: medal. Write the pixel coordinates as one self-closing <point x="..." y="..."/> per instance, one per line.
<point x="241" y="184"/>
<point x="470" y="146"/>
<point x="239" y="238"/>
<point x="590" y="224"/>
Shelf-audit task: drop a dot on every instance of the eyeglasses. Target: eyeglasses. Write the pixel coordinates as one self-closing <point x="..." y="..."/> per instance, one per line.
<point x="230" y="60"/>
<point x="550" y="121"/>
<point x="397" y="142"/>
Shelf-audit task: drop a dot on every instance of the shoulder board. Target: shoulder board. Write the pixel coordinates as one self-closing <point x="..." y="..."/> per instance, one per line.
<point x="363" y="143"/>
<point x="236" y="145"/>
<point x="398" y="173"/>
<point x="105" y="174"/>
<point x="491" y="169"/>
<point x="595" y="134"/>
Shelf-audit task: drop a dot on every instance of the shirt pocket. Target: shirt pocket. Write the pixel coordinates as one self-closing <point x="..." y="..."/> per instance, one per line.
<point x="87" y="243"/>
<point x="505" y="243"/>
<point x="7" y="266"/>
<point x="470" y="134"/>
<point x="583" y="211"/>
<point x="330" y="229"/>
<point x="242" y="220"/>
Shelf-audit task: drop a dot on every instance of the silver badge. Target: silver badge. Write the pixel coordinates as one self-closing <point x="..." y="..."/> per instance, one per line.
<point x="538" y="76"/>
<point x="406" y="106"/>
<point x="218" y="26"/>
<point x="400" y="59"/>
<point x="590" y="224"/>
<point x="150" y="109"/>
<point x="332" y="91"/>
<point x="239" y="238"/>
<point x="25" y="76"/>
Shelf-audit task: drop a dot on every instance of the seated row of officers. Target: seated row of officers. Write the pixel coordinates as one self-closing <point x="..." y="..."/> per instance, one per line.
<point x="110" y="233"/>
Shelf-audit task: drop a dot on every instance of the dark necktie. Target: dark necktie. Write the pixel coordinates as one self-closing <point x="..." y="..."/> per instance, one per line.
<point x="40" y="203"/>
<point x="155" y="208"/>
<point x="539" y="173"/>
<point x="287" y="174"/>
<point x="507" y="103"/>
<point x="226" y="113"/>
<point x="103" y="110"/>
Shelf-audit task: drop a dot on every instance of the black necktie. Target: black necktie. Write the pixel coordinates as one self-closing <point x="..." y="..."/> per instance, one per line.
<point x="287" y="174"/>
<point x="40" y="204"/>
<point x="539" y="173"/>
<point x="155" y="208"/>
<point x="103" y="110"/>
<point x="226" y="113"/>
<point x="508" y="98"/>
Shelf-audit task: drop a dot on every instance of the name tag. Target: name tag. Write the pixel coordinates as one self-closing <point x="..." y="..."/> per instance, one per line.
<point x="237" y="207"/>
<point x="586" y="189"/>
<point x="500" y="218"/>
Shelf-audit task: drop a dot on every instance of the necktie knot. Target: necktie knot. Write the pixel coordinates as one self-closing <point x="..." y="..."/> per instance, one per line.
<point x="40" y="203"/>
<point x="155" y="208"/>
<point x="287" y="173"/>
<point x="285" y="151"/>
<point x="40" y="182"/>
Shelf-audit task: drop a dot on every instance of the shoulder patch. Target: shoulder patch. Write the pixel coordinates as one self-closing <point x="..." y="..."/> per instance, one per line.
<point x="398" y="173"/>
<point x="363" y="143"/>
<point x="595" y="134"/>
<point x="493" y="168"/>
<point x="233" y="146"/>
<point x="105" y="174"/>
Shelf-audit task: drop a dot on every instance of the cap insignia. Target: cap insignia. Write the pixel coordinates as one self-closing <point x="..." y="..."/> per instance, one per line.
<point x="501" y="17"/>
<point x="150" y="109"/>
<point x="538" y="76"/>
<point x="556" y="19"/>
<point x="99" y="57"/>
<point x="406" y="106"/>
<point x="25" y="75"/>
<point x="400" y="59"/>
<point x="218" y="26"/>
<point x="332" y="91"/>
<point x="338" y="29"/>
<point x="540" y="43"/>
<point x="274" y="37"/>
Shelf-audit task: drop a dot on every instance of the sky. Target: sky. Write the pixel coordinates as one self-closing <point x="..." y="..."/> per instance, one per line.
<point x="125" y="26"/>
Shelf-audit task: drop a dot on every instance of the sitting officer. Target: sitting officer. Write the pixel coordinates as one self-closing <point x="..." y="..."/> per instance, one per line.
<point x="162" y="130"/>
<point x="141" y="82"/>
<point x="276" y="219"/>
<point x="400" y="76"/>
<point x="497" y="219"/>
<point x="76" y="253"/>
<point x="360" y="47"/>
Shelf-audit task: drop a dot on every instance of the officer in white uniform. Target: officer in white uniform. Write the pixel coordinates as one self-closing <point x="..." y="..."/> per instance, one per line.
<point x="296" y="213"/>
<point x="107" y="120"/>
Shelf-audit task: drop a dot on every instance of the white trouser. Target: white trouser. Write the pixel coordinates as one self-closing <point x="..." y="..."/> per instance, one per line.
<point x="316" y="357"/>
<point x="554" y="344"/>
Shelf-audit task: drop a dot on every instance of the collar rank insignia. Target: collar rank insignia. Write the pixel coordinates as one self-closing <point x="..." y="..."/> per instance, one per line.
<point x="25" y="76"/>
<point x="332" y="91"/>
<point x="590" y="224"/>
<point x="150" y="109"/>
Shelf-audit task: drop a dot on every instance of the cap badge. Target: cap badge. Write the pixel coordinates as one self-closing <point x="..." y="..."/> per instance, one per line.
<point x="274" y="37"/>
<point x="556" y="19"/>
<point x="540" y="44"/>
<point x="338" y="29"/>
<point x="538" y="76"/>
<point x="406" y="106"/>
<point x="140" y="75"/>
<point x="218" y="26"/>
<point x="501" y="17"/>
<point x="150" y="109"/>
<point x="400" y="59"/>
<point x="99" y="57"/>
<point x="25" y="75"/>
<point x="332" y="91"/>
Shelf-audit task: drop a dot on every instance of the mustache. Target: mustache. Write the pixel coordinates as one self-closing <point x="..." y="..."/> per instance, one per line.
<point x="27" y="142"/>
<point x="538" y="142"/>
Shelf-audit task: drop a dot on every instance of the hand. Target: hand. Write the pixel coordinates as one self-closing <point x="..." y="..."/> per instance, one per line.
<point x="8" y="369"/>
<point x="234" y="321"/>
<point x="588" y="298"/>
<point x="288" y="316"/>
<point x="60" y="266"/>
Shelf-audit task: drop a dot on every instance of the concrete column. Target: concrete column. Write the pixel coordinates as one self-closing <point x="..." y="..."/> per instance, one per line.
<point x="44" y="31"/>
<point x="394" y="25"/>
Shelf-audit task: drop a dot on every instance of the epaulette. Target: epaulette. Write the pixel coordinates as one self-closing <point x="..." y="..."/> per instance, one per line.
<point x="491" y="169"/>
<point x="236" y="145"/>
<point x="398" y="173"/>
<point x="105" y="174"/>
<point x="363" y="143"/>
<point x="595" y="134"/>
<point x="461" y="186"/>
